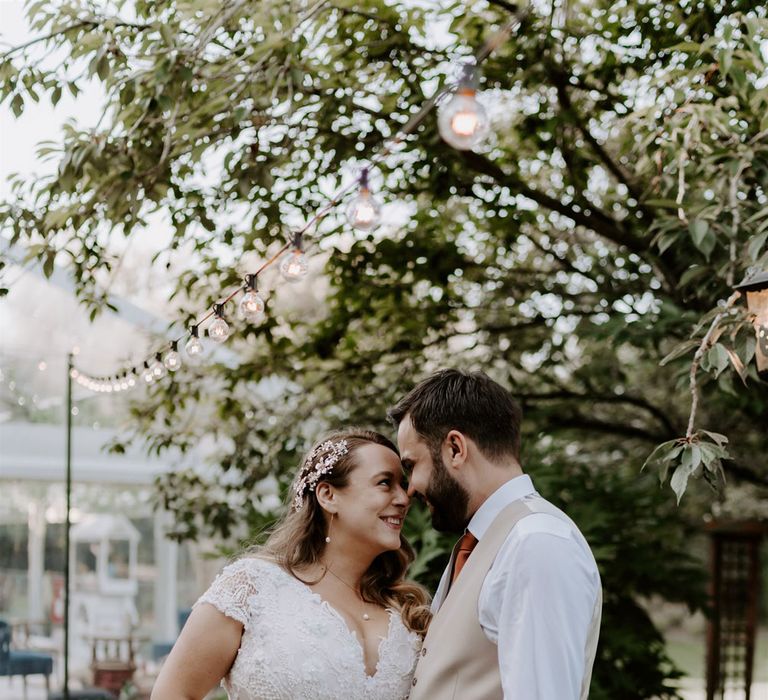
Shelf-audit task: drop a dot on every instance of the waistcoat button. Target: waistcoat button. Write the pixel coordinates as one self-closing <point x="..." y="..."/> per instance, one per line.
<point x="414" y="680"/>
<point x="424" y="651"/>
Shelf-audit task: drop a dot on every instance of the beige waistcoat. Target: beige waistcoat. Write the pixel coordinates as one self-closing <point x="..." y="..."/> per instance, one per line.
<point x="458" y="662"/>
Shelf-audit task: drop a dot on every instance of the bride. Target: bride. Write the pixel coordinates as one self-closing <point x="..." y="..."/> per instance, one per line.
<point x="322" y="610"/>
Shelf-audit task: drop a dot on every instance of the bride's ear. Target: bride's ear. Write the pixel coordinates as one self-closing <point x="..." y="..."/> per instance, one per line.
<point x="326" y="496"/>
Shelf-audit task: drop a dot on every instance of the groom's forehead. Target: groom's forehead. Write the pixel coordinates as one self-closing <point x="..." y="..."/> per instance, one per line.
<point x="410" y="443"/>
<point x="407" y="437"/>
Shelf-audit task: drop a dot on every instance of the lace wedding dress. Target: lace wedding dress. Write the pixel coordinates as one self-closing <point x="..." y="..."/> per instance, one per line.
<point x="296" y="646"/>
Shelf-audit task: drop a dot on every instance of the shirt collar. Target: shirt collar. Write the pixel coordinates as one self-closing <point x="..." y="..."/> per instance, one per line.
<point x="513" y="490"/>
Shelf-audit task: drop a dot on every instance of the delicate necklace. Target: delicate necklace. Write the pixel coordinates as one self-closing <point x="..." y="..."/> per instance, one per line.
<point x="366" y="616"/>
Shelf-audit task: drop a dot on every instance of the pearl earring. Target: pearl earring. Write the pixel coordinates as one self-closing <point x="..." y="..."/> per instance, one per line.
<point x="328" y="536"/>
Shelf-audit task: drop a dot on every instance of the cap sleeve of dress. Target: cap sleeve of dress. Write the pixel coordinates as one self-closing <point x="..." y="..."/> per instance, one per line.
<point x="232" y="590"/>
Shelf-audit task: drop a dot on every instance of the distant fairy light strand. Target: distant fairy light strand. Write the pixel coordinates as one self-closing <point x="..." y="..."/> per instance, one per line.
<point x="462" y="122"/>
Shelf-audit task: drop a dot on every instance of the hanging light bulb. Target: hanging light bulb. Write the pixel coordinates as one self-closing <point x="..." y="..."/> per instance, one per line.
<point x="252" y="305"/>
<point x="132" y="379"/>
<point x="148" y="375"/>
<point x="158" y="368"/>
<point x="294" y="264"/>
<point x="462" y="121"/>
<point x="364" y="212"/>
<point x="172" y="359"/>
<point x="194" y="347"/>
<point x="219" y="329"/>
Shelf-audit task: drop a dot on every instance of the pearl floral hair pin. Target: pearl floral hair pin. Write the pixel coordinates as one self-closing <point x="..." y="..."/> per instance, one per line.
<point x="319" y="463"/>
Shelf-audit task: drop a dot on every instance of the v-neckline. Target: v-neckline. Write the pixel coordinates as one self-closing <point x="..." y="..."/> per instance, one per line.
<point x="333" y="612"/>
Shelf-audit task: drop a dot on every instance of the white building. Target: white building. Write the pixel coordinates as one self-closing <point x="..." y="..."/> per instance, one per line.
<point x="32" y="513"/>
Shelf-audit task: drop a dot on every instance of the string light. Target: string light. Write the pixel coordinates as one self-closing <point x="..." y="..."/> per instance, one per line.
<point x="158" y="368"/>
<point x="172" y="359"/>
<point x="194" y="348"/>
<point x="364" y="212"/>
<point x="294" y="264"/>
<point x="252" y="306"/>
<point x="218" y="331"/>
<point x="462" y="121"/>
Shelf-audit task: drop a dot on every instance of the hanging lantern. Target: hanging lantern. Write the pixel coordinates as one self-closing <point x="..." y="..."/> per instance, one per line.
<point x="756" y="289"/>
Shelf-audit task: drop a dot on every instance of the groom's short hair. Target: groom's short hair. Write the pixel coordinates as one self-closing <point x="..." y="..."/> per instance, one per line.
<point x="470" y="402"/>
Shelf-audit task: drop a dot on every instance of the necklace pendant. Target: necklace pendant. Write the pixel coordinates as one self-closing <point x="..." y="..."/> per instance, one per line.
<point x="366" y="616"/>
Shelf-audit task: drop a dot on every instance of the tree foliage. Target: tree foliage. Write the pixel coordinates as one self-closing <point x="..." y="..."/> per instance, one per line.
<point x="585" y="256"/>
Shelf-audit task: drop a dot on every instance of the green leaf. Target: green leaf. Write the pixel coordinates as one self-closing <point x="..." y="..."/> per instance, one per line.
<point x="716" y="437"/>
<point x="698" y="229"/>
<point x="718" y="358"/>
<point x="659" y="452"/>
<point x="17" y="105"/>
<point x="693" y="273"/>
<point x="738" y="365"/>
<point x="666" y="240"/>
<point x="679" y="480"/>
<point x="679" y="350"/>
<point x="756" y="245"/>
<point x="48" y="263"/>
<point x="102" y="68"/>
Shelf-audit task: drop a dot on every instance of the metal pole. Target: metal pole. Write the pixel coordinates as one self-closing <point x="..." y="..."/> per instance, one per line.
<point x="70" y="367"/>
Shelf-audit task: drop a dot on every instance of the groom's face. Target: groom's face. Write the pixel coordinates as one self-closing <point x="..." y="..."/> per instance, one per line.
<point x="430" y="479"/>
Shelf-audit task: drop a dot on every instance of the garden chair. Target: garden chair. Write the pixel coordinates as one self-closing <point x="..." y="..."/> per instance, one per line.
<point x="21" y="662"/>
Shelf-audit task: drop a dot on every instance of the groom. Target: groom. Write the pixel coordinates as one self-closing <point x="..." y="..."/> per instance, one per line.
<point x="517" y="612"/>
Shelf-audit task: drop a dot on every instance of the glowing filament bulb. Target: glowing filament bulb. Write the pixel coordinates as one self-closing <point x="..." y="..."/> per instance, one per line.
<point x="172" y="359"/>
<point x="158" y="369"/>
<point x="194" y="347"/>
<point x="252" y="306"/>
<point x="462" y="121"/>
<point x="294" y="264"/>
<point x="218" y="331"/>
<point x="364" y="212"/>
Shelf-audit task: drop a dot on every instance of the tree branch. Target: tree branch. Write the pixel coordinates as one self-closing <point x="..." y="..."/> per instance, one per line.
<point x="595" y="220"/>
<point x="583" y="423"/>
<point x="637" y="401"/>
<point x="508" y="6"/>
<point x="706" y="343"/>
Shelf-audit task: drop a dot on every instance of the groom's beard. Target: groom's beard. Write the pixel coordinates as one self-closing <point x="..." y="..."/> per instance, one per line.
<point x="448" y="498"/>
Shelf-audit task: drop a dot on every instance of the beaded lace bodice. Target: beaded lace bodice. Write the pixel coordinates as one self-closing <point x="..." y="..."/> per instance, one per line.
<point x="295" y="645"/>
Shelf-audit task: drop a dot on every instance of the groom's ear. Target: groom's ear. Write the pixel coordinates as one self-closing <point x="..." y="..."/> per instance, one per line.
<point x="455" y="447"/>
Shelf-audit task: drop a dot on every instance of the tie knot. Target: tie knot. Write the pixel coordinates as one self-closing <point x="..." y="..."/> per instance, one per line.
<point x="464" y="548"/>
<point x="467" y="542"/>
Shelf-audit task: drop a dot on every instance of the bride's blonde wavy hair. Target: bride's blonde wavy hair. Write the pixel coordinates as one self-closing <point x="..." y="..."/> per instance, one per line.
<point x="297" y="540"/>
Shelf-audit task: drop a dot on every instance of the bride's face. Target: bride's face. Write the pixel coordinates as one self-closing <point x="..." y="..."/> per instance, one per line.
<point x="373" y="505"/>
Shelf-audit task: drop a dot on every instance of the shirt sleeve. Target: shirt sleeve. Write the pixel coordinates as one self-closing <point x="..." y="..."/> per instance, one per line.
<point x="536" y="605"/>
<point x="231" y="591"/>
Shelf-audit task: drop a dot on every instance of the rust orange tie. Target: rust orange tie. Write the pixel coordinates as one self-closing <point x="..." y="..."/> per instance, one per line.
<point x="466" y="545"/>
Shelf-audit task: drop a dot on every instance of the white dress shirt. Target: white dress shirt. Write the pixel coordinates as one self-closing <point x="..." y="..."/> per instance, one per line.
<point x="537" y="601"/>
